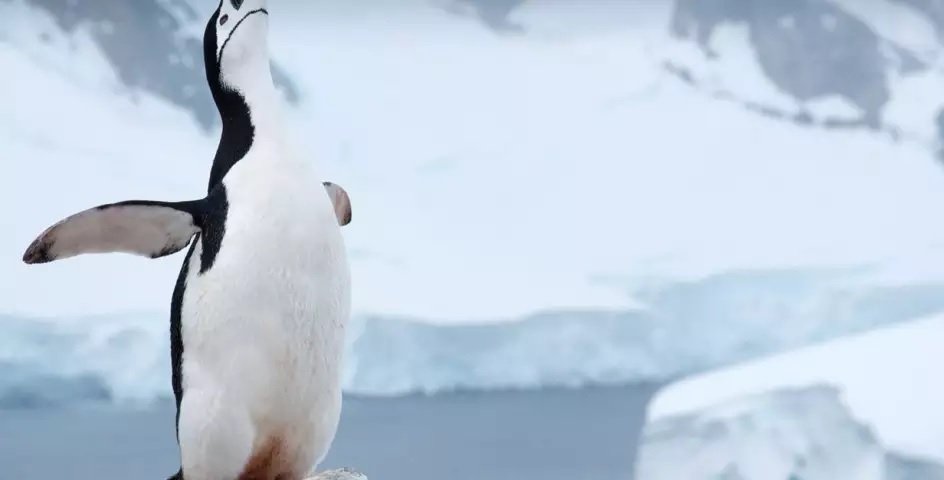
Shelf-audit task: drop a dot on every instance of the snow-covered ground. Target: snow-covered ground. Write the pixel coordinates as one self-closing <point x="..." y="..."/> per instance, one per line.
<point x="842" y="407"/>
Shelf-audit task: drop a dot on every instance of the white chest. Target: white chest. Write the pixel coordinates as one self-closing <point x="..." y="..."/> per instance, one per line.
<point x="268" y="318"/>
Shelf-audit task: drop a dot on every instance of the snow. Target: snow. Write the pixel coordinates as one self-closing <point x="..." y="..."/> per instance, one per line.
<point x="37" y="36"/>
<point x="833" y="107"/>
<point x="897" y="22"/>
<point x="886" y="377"/>
<point x="915" y="104"/>
<point x="737" y="68"/>
<point x="733" y="68"/>
<point x="573" y="158"/>
<point x="574" y="215"/>
<point x="789" y="433"/>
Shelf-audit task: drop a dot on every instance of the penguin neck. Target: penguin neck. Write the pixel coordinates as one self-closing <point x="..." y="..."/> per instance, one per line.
<point x="250" y="98"/>
<point x="248" y="106"/>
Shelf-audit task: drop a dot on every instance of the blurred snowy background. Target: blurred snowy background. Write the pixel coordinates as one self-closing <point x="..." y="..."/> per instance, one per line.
<point x="736" y="198"/>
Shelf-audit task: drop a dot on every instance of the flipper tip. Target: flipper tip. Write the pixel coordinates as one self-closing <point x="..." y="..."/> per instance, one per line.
<point x="37" y="252"/>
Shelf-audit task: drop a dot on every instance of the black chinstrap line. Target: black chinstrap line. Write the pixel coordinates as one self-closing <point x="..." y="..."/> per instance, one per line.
<point x="238" y="131"/>
<point x="219" y="56"/>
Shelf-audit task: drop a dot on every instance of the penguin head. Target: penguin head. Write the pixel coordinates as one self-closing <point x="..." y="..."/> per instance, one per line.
<point x="236" y="40"/>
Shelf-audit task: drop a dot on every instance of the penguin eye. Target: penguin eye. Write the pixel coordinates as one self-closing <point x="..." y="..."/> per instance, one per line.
<point x="236" y="3"/>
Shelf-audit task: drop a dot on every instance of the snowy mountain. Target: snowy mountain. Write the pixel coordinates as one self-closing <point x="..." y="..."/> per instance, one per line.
<point x="867" y="406"/>
<point x="832" y="64"/>
<point x="541" y="163"/>
<point x="154" y="47"/>
<point x="836" y="64"/>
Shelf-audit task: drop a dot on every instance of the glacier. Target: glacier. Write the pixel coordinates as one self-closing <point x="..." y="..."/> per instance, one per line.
<point x="678" y="329"/>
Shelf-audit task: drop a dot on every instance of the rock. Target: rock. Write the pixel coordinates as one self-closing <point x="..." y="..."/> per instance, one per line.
<point x="339" y="474"/>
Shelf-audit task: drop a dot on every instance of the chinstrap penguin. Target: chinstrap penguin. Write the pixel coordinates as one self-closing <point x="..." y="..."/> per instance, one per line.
<point x="262" y="299"/>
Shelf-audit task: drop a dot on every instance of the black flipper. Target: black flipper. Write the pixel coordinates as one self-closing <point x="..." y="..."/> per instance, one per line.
<point x="139" y="227"/>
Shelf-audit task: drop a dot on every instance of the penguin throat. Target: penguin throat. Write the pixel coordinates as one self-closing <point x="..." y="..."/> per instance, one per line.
<point x="248" y="113"/>
<point x="245" y="97"/>
<point x="246" y="90"/>
<point x="247" y="103"/>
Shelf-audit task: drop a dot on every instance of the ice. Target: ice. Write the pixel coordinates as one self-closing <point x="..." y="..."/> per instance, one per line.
<point x="794" y="433"/>
<point x="885" y="377"/>
<point x="678" y="328"/>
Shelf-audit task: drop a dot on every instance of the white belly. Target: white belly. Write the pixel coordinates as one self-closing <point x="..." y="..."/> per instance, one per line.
<point x="265" y="325"/>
